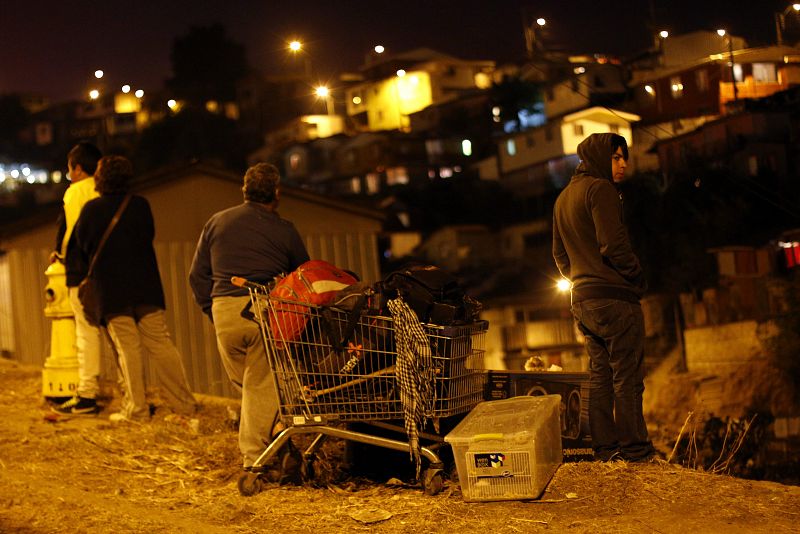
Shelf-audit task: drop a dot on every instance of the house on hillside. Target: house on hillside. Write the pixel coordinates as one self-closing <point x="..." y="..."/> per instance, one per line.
<point x="182" y="200"/>
<point x="694" y="84"/>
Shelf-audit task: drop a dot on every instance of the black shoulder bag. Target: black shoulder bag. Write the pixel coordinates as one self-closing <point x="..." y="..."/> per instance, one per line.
<point x="89" y="290"/>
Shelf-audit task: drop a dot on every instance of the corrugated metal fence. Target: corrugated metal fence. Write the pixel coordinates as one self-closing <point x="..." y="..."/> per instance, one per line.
<point x="25" y="332"/>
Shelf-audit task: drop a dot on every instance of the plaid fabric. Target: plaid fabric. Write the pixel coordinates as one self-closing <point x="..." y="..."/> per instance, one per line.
<point x="415" y="373"/>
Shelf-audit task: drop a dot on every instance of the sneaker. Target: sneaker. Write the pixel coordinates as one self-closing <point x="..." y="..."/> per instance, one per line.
<point x="77" y="406"/>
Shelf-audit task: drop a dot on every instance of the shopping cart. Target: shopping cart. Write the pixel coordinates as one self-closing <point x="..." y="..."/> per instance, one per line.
<point x="341" y="369"/>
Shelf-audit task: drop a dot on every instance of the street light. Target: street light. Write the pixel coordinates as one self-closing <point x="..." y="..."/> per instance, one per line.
<point x="325" y="93"/>
<point x="296" y="47"/>
<point x="98" y="74"/>
<point x="723" y="33"/>
<point x="530" y="35"/>
<point x="94" y="94"/>
<point x="563" y="285"/>
<point x="780" y="21"/>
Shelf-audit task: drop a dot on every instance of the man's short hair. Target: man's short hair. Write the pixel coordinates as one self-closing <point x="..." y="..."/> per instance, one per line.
<point x="617" y="141"/>
<point x="86" y="155"/>
<point x="114" y="174"/>
<point x="261" y="183"/>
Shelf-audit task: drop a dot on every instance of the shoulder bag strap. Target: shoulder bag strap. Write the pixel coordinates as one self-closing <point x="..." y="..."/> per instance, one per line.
<point x="103" y="239"/>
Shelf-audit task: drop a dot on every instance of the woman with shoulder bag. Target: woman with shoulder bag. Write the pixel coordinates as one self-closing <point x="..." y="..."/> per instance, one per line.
<point x="129" y="291"/>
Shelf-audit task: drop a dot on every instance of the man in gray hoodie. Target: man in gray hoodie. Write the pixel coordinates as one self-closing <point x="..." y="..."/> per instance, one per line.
<point x="592" y="250"/>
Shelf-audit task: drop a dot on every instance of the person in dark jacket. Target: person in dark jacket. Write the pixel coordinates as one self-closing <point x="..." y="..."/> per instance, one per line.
<point x="131" y="295"/>
<point x="252" y="241"/>
<point x="592" y="250"/>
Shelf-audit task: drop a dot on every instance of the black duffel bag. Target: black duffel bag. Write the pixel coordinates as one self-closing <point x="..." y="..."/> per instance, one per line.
<point x="434" y="294"/>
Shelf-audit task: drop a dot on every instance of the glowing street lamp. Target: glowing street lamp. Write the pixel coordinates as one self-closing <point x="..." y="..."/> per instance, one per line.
<point x="563" y="285"/>
<point x="325" y="93"/>
<point x="139" y="93"/>
<point x="296" y="48"/>
<point x="126" y="88"/>
<point x="98" y="74"/>
<point x="663" y="34"/>
<point x="94" y="94"/>
<point x="379" y="49"/>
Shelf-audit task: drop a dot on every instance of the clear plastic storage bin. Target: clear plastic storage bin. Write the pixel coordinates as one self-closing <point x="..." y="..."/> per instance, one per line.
<point x="508" y="449"/>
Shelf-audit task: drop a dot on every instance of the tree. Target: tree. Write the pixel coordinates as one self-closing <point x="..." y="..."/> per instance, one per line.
<point x="514" y="95"/>
<point x="13" y="118"/>
<point x="206" y="65"/>
<point x="192" y="135"/>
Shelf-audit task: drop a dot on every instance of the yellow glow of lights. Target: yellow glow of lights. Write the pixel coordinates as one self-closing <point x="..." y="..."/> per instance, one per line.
<point x="721" y="33"/>
<point x="401" y="73"/>
<point x="139" y="93"/>
<point x="295" y="46"/>
<point x="649" y="90"/>
<point x="540" y="21"/>
<point x="379" y="49"/>
<point x="94" y="94"/>
<point x="322" y="91"/>
<point x="796" y="7"/>
<point x="356" y="100"/>
<point x="172" y="104"/>
<point x="126" y="88"/>
<point x="664" y="34"/>
<point x="98" y="74"/>
<point x="564" y="285"/>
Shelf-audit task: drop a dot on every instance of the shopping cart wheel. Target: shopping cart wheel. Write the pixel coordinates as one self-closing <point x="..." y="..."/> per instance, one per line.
<point x="250" y="484"/>
<point x="433" y="481"/>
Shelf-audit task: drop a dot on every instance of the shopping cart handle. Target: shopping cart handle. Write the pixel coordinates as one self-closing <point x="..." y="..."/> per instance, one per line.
<point x="238" y="281"/>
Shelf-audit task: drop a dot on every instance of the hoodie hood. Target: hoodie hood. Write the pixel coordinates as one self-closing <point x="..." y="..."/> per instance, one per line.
<point x="595" y="153"/>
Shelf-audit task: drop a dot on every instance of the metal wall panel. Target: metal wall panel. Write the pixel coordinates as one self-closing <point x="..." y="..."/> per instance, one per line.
<point x="25" y="332"/>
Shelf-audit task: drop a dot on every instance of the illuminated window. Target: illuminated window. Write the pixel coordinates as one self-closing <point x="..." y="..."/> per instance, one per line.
<point x="294" y="161"/>
<point x="764" y="72"/>
<point x="446" y="172"/>
<point x="466" y="147"/>
<point x="650" y="91"/>
<point x="373" y="181"/>
<point x="676" y="87"/>
<point x="701" y="80"/>
<point x="738" y="73"/>
<point x="511" y="147"/>
<point x="396" y="176"/>
<point x="355" y="184"/>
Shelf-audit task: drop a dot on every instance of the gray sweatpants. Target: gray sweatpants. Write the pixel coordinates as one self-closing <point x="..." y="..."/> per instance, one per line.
<point x="245" y="360"/>
<point x="149" y="331"/>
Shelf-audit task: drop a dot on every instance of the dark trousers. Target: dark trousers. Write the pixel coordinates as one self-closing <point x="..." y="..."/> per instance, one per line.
<point x="614" y="335"/>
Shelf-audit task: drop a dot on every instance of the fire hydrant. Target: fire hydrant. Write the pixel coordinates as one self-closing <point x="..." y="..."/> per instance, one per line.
<point x="60" y="374"/>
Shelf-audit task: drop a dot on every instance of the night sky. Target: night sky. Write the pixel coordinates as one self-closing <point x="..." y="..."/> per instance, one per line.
<point x="53" y="47"/>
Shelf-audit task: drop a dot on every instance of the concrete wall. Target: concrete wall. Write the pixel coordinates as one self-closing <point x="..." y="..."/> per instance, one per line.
<point x="724" y="348"/>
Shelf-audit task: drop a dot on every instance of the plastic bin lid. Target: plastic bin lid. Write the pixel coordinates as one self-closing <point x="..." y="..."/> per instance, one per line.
<point x="501" y="419"/>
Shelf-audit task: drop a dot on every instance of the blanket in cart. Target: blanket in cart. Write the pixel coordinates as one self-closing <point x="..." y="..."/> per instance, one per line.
<point x="414" y="372"/>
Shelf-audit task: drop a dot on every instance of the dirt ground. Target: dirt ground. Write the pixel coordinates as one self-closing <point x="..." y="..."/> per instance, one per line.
<point x="88" y="475"/>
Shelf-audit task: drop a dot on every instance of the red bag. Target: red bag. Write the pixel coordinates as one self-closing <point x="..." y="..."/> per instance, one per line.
<point x="315" y="282"/>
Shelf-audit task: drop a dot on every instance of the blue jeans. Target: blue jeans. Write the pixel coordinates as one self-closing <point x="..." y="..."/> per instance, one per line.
<point x="614" y="336"/>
